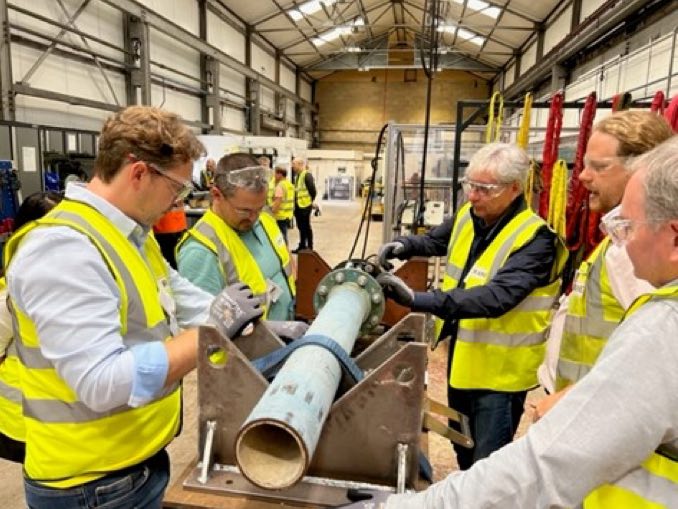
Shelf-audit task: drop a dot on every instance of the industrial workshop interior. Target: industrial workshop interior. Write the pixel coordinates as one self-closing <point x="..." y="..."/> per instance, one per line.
<point x="339" y="253"/>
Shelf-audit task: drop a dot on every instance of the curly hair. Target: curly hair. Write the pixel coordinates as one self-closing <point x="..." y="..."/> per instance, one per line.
<point x="150" y="134"/>
<point x="637" y="131"/>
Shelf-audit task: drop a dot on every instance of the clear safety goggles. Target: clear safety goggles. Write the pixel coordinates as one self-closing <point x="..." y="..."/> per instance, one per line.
<point x="619" y="229"/>
<point x="182" y="188"/>
<point x="483" y="189"/>
<point x="245" y="177"/>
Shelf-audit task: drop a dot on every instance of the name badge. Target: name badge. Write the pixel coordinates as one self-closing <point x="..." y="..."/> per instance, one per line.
<point x="477" y="272"/>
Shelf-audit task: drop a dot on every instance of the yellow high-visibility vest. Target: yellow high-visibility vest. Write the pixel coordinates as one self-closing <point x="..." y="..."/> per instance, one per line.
<point x="271" y="191"/>
<point x="68" y="443"/>
<point x="593" y="313"/>
<point x="11" y="416"/>
<point x="655" y="483"/>
<point x="236" y="262"/>
<point x="502" y="353"/>
<point x="302" y="195"/>
<point x="286" y="210"/>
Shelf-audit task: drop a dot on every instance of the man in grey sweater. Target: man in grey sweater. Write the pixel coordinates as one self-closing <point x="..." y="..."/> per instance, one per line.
<point x="612" y="441"/>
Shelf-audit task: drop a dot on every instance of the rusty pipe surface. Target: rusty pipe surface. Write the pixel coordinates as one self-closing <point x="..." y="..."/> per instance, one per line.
<point x="276" y="443"/>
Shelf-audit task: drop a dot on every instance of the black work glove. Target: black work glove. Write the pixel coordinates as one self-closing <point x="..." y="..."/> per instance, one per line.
<point x="396" y="289"/>
<point x="287" y="329"/>
<point x="233" y="309"/>
<point x="390" y="250"/>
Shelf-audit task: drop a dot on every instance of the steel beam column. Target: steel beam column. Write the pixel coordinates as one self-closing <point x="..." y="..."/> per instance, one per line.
<point x="7" y="106"/>
<point x="137" y="42"/>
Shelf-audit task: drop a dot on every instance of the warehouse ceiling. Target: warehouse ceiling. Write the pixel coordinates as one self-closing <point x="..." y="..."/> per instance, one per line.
<point x="322" y="36"/>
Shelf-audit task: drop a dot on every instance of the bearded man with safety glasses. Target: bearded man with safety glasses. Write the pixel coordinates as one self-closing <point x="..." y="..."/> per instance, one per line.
<point x="238" y="240"/>
<point x="502" y="278"/>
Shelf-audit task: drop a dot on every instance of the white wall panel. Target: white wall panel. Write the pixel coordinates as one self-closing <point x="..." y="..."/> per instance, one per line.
<point x="187" y="106"/>
<point x="232" y="119"/>
<point x="588" y="7"/>
<point x="97" y="19"/>
<point x="34" y="110"/>
<point x="305" y="90"/>
<point x="529" y="58"/>
<point x="181" y="12"/>
<point x="223" y="36"/>
<point x="66" y="76"/>
<point x="263" y="62"/>
<point x="166" y="50"/>
<point x="288" y="78"/>
<point x="558" y="30"/>
<point x="267" y="100"/>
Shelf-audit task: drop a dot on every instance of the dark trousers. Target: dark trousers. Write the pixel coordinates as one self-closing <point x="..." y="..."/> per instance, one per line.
<point x="168" y="241"/>
<point x="303" y="217"/>
<point x="142" y="485"/>
<point x="11" y="449"/>
<point x="283" y="224"/>
<point x="493" y="419"/>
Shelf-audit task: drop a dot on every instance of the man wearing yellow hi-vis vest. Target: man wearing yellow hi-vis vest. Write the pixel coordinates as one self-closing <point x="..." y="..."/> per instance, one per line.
<point x="611" y="442"/>
<point x="237" y="240"/>
<point x="98" y="314"/>
<point x="503" y="267"/>
<point x="282" y="200"/>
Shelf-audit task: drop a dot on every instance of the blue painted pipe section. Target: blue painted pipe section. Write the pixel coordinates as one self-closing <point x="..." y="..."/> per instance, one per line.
<point x="276" y="443"/>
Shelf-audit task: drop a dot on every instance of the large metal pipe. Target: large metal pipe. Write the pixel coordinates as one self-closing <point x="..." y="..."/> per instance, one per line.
<point x="276" y="443"/>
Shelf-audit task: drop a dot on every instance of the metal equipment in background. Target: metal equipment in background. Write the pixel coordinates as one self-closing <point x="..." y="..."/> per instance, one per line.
<point x="327" y="425"/>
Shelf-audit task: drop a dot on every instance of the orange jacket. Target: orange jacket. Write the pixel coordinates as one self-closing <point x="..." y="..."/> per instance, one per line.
<point x="172" y="222"/>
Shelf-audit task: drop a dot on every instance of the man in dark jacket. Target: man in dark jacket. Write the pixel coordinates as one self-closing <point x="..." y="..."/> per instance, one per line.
<point x="304" y="198"/>
<point x="503" y="265"/>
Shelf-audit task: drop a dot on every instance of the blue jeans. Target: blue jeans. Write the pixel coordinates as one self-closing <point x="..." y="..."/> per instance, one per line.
<point x="493" y="419"/>
<point x="141" y="486"/>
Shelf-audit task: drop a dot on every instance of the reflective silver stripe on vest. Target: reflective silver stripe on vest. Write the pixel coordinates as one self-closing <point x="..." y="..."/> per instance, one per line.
<point x="10" y="393"/>
<point x="571" y="371"/>
<point x="507" y="246"/>
<point x="658" y="490"/>
<point x="32" y="358"/>
<point x="135" y="312"/>
<point x="594" y="323"/>
<point x="288" y="270"/>
<point x="230" y="272"/>
<point x="500" y="339"/>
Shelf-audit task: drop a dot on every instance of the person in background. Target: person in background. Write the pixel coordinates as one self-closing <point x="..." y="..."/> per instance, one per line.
<point x="502" y="278"/>
<point x="207" y="174"/>
<point x="105" y="328"/>
<point x="236" y="240"/>
<point x="604" y="286"/>
<point x="282" y="202"/>
<point x="612" y="440"/>
<point x="169" y="229"/>
<point x="304" y="196"/>
<point x="12" y="430"/>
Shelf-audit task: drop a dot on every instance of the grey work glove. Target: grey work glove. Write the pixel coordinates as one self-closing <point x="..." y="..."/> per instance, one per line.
<point x="287" y="329"/>
<point x="233" y="309"/>
<point x="396" y="289"/>
<point x="390" y="250"/>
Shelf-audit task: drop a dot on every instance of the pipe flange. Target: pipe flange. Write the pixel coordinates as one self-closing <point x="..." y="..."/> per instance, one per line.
<point x="361" y="279"/>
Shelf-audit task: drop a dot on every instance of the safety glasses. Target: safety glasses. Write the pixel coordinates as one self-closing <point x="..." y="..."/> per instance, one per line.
<point x="483" y="189"/>
<point x="619" y="229"/>
<point x="246" y="177"/>
<point x="245" y="212"/>
<point x="182" y="188"/>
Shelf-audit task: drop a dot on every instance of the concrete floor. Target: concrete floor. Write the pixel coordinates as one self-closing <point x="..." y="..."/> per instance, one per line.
<point x="334" y="234"/>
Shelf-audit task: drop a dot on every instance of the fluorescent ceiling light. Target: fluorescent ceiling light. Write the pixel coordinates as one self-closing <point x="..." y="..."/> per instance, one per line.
<point x="482" y="7"/>
<point x="336" y="32"/>
<point x="308" y="8"/>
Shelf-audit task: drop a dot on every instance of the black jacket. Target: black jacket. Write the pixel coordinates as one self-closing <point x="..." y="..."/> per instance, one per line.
<point x="526" y="269"/>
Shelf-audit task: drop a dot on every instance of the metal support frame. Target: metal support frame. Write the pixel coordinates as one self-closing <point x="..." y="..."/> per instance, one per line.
<point x="7" y="106"/>
<point x="137" y="42"/>
<point x="252" y="90"/>
<point x="212" y="100"/>
<point x="359" y="441"/>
